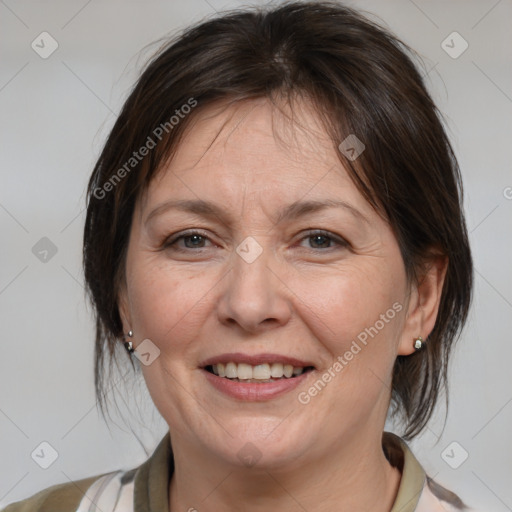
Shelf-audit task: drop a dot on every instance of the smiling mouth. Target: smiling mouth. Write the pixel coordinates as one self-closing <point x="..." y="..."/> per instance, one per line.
<point x="260" y="373"/>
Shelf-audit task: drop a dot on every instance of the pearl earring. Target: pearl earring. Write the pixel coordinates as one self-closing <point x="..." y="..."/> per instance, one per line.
<point x="128" y="344"/>
<point x="418" y="343"/>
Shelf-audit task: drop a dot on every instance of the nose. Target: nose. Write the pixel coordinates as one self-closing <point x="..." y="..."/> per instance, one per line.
<point x="256" y="297"/>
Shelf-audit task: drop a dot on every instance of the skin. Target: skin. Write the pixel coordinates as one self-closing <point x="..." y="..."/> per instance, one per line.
<point x="303" y="296"/>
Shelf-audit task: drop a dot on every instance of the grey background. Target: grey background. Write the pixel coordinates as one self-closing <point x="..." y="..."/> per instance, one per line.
<point x="55" y="115"/>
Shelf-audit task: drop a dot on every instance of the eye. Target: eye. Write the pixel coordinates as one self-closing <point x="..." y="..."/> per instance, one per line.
<point x="320" y="239"/>
<point x="191" y="240"/>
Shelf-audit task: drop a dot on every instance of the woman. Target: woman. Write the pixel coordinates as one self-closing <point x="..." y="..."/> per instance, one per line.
<point x="274" y="230"/>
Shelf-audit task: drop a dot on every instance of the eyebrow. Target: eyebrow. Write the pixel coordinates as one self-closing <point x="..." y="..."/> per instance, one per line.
<point x="292" y="211"/>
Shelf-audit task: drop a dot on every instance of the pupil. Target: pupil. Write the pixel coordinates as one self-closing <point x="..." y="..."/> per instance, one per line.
<point x="318" y="239"/>
<point x="195" y="240"/>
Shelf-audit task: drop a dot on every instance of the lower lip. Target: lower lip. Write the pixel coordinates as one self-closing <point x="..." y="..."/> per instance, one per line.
<point x="253" y="391"/>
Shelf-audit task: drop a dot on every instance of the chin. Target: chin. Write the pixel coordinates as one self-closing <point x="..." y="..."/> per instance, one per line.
<point x="261" y="442"/>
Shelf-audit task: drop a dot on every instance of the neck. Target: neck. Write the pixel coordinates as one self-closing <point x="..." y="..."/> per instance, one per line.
<point x="353" y="476"/>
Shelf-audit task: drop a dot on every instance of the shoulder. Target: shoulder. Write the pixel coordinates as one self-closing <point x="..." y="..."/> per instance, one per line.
<point x="118" y="491"/>
<point x="64" y="497"/>
<point x="417" y="491"/>
<point x="436" y="497"/>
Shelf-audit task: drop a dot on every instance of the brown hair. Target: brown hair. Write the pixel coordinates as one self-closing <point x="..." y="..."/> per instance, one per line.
<point x="362" y="81"/>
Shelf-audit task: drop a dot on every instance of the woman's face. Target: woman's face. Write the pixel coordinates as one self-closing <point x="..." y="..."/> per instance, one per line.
<point x="253" y="251"/>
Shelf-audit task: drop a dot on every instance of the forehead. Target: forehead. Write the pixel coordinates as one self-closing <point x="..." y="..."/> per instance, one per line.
<point x="253" y="147"/>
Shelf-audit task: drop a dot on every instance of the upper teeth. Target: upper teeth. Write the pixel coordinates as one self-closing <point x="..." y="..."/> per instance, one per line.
<point x="264" y="371"/>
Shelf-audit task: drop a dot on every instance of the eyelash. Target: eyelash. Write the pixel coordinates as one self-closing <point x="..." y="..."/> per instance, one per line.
<point x="169" y="242"/>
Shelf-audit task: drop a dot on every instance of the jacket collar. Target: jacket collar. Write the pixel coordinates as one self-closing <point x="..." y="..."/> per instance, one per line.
<point x="152" y="478"/>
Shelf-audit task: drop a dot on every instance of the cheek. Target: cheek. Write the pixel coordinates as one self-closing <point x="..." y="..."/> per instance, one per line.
<point x="357" y="303"/>
<point x="168" y="305"/>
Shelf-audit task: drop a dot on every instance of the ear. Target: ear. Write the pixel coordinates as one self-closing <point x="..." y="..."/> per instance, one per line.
<point x="423" y="304"/>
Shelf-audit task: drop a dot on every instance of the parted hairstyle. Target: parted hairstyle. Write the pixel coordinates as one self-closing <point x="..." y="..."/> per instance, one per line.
<point x="361" y="80"/>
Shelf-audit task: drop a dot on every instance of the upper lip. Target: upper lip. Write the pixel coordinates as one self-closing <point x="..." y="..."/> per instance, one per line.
<point x="255" y="359"/>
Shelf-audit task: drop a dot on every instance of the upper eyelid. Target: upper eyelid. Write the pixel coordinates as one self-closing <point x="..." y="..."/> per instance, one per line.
<point x="342" y="241"/>
<point x="185" y="234"/>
